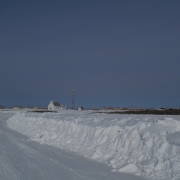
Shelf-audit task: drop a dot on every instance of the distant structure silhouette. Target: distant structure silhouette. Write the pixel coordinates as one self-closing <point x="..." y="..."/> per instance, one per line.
<point x="72" y="98"/>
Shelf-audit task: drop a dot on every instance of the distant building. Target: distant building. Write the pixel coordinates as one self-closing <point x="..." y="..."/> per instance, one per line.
<point x="55" y="106"/>
<point x="2" y="107"/>
<point x="80" y="108"/>
<point x="160" y="109"/>
<point x="18" y="107"/>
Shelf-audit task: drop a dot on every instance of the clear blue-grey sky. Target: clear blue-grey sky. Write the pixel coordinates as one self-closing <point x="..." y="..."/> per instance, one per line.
<point x="121" y="53"/>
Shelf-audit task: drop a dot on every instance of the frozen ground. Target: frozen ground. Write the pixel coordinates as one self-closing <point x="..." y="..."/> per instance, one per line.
<point x="21" y="159"/>
<point x="144" y="145"/>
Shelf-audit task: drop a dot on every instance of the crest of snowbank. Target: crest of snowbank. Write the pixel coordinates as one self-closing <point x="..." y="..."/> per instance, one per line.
<point x="146" y="145"/>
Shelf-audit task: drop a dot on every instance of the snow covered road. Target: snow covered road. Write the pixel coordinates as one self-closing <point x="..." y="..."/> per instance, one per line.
<point x="21" y="159"/>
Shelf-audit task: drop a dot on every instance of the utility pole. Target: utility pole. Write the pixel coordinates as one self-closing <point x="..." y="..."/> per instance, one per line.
<point x="73" y="98"/>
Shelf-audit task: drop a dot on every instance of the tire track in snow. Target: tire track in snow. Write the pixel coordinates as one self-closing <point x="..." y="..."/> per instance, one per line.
<point x="7" y="169"/>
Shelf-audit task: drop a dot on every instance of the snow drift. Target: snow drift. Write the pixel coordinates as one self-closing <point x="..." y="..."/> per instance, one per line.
<point x="146" y="145"/>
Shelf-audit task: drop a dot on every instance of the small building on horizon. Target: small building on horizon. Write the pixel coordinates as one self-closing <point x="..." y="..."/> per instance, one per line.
<point x="55" y="106"/>
<point x="18" y="107"/>
<point x="80" y="108"/>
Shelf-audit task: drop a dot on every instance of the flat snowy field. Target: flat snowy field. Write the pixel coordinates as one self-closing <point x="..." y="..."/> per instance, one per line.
<point x="145" y="145"/>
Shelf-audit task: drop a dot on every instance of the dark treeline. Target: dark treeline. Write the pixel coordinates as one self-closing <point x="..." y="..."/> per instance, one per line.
<point x="149" y="111"/>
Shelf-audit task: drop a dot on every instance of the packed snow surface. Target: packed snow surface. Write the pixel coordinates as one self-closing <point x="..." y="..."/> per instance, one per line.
<point x="22" y="159"/>
<point x="145" y="145"/>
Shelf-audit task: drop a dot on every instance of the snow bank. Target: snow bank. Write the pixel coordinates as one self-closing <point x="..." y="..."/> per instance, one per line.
<point x="146" y="145"/>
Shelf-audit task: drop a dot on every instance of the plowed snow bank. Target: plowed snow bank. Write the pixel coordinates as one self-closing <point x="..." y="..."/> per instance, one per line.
<point x="145" y="145"/>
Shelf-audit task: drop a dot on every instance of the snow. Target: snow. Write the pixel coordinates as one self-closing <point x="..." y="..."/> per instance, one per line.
<point x="22" y="159"/>
<point x="144" y="145"/>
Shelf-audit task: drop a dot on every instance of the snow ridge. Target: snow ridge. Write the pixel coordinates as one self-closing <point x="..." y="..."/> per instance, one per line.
<point x="148" y="146"/>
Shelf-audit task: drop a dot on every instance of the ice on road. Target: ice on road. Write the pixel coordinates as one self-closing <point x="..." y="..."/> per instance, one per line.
<point x="21" y="159"/>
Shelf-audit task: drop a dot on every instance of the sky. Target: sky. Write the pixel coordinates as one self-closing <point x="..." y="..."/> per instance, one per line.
<point x="114" y="53"/>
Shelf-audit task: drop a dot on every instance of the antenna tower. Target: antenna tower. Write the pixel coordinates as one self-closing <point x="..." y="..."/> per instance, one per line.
<point x="73" y="98"/>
